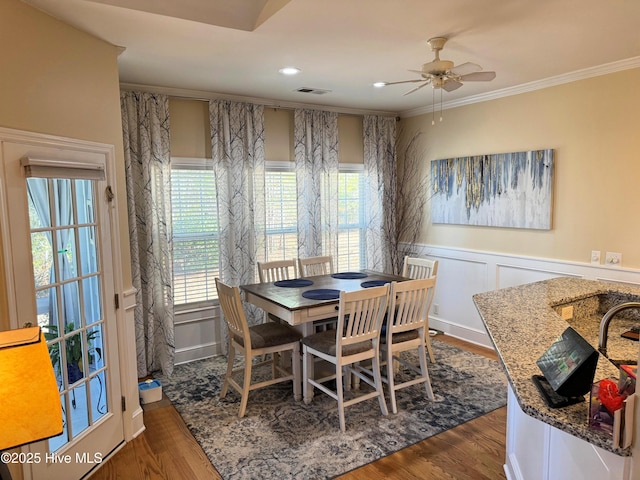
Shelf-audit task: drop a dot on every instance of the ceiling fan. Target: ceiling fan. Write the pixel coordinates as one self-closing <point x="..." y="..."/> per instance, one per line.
<point x="443" y="74"/>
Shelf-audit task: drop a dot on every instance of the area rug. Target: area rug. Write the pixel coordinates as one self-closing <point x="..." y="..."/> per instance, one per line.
<point x="280" y="438"/>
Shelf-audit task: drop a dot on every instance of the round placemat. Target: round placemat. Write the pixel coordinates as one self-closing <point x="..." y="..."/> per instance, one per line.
<point x="322" y="294"/>
<point x="349" y="275"/>
<point x="374" y="283"/>
<point x="293" y="283"/>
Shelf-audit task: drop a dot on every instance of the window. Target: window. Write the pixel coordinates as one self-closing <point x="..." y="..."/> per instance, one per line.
<point x="351" y="222"/>
<point x="195" y="231"/>
<point x="281" y="211"/>
<point x="195" y="223"/>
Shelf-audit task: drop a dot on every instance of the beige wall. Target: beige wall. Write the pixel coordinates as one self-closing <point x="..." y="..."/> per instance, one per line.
<point x="59" y="81"/>
<point x="594" y="127"/>
<point x="190" y="133"/>
<point x="189" y="124"/>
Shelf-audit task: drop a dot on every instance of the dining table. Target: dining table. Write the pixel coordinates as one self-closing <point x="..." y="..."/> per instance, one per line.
<point x="301" y="302"/>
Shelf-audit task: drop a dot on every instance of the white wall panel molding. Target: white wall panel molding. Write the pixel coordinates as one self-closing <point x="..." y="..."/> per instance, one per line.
<point x="464" y="272"/>
<point x="198" y="333"/>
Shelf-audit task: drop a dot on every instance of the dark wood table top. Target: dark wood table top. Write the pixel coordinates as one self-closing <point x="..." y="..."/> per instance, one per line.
<point x="292" y="299"/>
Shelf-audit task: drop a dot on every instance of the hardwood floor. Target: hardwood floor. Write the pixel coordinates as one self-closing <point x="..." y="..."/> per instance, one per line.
<point x="167" y="450"/>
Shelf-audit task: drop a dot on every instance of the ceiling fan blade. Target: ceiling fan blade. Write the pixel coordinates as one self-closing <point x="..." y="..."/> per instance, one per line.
<point x="451" y="85"/>
<point x="418" y="87"/>
<point x="465" y="68"/>
<point x="478" y="77"/>
<point x="404" y="81"/>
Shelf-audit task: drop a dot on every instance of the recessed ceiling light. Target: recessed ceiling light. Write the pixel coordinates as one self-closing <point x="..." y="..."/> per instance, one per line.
<point x="289" y="70"/>
<point x="380" y="84"/>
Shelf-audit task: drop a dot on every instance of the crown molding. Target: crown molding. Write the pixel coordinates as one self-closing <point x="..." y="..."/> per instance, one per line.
<point x="206" y="96"/>
<point x="583" y="74"/>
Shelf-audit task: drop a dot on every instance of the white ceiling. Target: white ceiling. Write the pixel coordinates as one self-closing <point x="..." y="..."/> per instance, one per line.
<point x="234" y="48"/>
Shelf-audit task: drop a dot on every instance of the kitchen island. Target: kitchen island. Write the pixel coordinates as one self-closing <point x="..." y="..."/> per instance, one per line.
<point x="522" y="323"/>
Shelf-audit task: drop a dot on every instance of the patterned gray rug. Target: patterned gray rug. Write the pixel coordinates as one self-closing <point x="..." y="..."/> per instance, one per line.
<point x="282" y="439"/>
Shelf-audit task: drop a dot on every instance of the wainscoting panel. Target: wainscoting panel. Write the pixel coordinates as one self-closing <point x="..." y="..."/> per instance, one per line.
<point x="463" y="273"/>
<point x="198" y="333"/>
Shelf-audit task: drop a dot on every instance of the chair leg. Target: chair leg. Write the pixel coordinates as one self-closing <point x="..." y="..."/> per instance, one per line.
<point x="295" y="368"/>
<point x="245" y="384"/>
<point x="275" y="358"/>
<point x="429" y="349"/>
<point x="230" y="359"/>
<point x="340" y="394"/>
<point x="378" y="381"/>
<point x="425" y="371"/>
<point x="307" y="388"/>
<point x="390" y="379"/>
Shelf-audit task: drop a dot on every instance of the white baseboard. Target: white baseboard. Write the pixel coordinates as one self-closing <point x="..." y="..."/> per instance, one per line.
<point x="197" y="352"/>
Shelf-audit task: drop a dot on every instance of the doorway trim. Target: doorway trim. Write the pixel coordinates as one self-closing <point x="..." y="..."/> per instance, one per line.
<point x="132" y="416"/>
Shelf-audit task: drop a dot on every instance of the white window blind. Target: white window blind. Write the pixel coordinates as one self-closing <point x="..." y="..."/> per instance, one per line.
<point x="54" y="168"/>
<point x="195" y="233"/>
<point x="351" y="219"/>
<point x="281" y="212"/>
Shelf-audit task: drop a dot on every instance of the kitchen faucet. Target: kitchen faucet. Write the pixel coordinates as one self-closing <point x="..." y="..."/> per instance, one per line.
<point x="606" y="320"/>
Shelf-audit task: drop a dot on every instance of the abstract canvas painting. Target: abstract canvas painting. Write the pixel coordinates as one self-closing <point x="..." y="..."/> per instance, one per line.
<point x="498" y="190"/>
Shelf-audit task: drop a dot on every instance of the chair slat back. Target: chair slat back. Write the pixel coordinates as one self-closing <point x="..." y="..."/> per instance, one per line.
<point x="360" y="314"/>
<point x="312" y="266"/>
<point x="409" y="304"/>
<point x="276" y="270"/>
<point x="415" y="267"/>
<point x="231" y="305"/>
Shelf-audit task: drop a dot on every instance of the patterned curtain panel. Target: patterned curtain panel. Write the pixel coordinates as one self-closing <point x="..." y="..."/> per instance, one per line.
<point x="381" y="185"/>
<point x="145" y="124"/>
<point x="316" y="158"/>
<point x="237" y="141"/>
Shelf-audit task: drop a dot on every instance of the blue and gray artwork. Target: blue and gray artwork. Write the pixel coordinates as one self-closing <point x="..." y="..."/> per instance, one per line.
<point x="500" y="190"/>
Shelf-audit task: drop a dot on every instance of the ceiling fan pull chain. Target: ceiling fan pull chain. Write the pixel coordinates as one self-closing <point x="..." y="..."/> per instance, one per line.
<point x="433" y="106"/>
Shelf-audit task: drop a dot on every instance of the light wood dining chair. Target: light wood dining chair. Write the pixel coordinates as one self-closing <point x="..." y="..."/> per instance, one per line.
<point x="405" y="328"/>
<point x="356" y="339"/>
<point x="257" y="340"/>
<point x="413" y="268"/>
<point x="276" y="270"/>
<point x="310" y="266"/>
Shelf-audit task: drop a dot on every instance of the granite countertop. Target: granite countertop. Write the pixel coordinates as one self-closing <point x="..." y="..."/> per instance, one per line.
<point x="524" y="321"/>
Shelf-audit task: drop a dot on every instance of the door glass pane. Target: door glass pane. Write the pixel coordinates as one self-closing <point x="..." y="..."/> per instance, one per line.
<point x="42" y="258"/>
<point x="92" y="296"/>
<point x="98" y="396"/>
<point x="94" y="339"/>
<point x="62" y="202"/>
<point x="68" y="283"/>
<point x="67" y="254"/>
<point x="70" y="306"/>
<point x="84" y="201"/>
<point x="88" y="260"/>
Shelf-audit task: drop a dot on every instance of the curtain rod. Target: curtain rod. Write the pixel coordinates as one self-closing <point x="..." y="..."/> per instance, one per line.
<point x="186" y="94"/>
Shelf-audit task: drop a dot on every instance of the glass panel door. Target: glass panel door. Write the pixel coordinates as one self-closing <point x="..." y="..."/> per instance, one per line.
<point x="67" y="281"/>
<point x="62" y="277"/>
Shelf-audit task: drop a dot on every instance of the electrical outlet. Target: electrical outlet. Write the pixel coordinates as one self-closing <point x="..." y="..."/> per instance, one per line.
<point x="613" y="259"/>
<point x="567" y="312"/>
<point x="436" y="309"/>
<point x="595" y="256"/>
